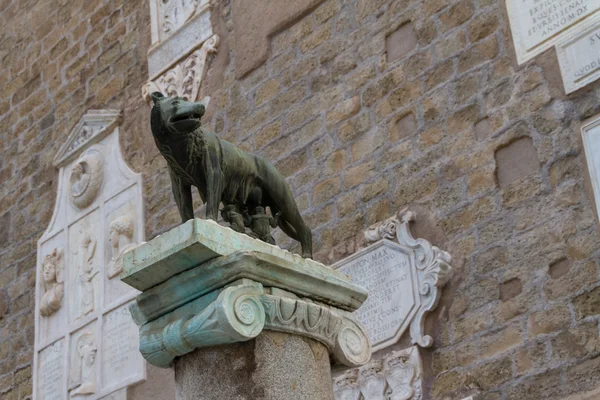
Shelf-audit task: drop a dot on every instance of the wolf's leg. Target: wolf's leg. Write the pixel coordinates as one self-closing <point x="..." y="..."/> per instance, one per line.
<point x="214" y="183"/>
<point x="183" y="197"/>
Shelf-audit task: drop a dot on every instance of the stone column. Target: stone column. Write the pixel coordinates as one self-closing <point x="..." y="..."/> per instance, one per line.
<point x="241" y="319"/>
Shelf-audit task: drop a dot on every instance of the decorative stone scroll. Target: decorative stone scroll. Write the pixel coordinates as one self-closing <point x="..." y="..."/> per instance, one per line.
<point x="397" y="376"/>
<point x="205" y="285"/>
<point x="403" y="276"/>
<point x="579" y="56"/>
<point x="591" y="143"/>
<point x="240" y="312"/>
<point x="538" y="25"/>
<point x="98" y="204"/>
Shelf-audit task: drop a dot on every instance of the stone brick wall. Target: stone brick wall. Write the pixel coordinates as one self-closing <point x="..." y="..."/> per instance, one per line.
<point x="368" y="107"/>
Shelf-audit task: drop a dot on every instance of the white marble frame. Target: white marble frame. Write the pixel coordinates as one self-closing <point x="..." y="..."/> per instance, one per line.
<point x="590" y="133"/>
<point x="430" y="265"/>
<point x="522" y="52"/>
<point x="97" y="130"/>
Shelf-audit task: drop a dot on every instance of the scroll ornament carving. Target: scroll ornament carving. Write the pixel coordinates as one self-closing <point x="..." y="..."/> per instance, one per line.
<point x="82" y="380"/>
<point x="396" y="377"/>
<point x="87" y="175"/>
<point x="183" y="80"/>
<point x="240" y="313"/>
<point x="432" y="263"/>
<point x="53" y="278"/>
<point x="120" y="233"/>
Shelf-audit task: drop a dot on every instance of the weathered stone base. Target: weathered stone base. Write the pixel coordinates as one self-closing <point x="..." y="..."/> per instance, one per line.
<point x="273" y="366"/>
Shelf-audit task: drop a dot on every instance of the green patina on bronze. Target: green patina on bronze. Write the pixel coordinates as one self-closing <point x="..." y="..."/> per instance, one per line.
<point x="245" y="183"/>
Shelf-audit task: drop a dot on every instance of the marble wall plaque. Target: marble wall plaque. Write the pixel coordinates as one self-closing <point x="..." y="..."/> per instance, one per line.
<point x="51" y="372"/>
<point x="591" y="144"/>
<point x="537" y="25"/>
<point x="97" y="217"/>
<point x="402" y="275"/>
<point x="121" y="342"/>
<point x="384" y="270"/>
<point x="579" y="56"/>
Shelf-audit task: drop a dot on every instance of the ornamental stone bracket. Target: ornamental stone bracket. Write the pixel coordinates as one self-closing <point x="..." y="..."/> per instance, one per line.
<point x="396" y="376"/>
<point x="205" y="285"/>
<point x="403" y="276"/>
<point x="182" y="39"/>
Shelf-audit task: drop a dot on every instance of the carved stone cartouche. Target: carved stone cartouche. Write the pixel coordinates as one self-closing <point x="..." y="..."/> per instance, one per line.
<point x="221" y="171"/>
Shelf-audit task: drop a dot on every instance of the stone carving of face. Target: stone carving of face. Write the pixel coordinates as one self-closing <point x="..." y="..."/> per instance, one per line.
<point x="88" y="352"/>
<point x="121" y="232"/>
<point x="49" y="271"/>
<point x="79" y="179"/>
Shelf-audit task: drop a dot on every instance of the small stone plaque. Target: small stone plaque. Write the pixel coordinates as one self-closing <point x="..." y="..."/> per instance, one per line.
<point x="121" y="359"/>
<point x="579" y="57"/>
<point x="51" y="372"/>
<point x="591" y="144"/>
<point x="402" y="276"/>
<point x="537" y="25"/>
<point x="384" y="270"/>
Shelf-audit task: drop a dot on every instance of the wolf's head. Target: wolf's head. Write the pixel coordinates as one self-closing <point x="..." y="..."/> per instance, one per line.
<point x="174" y="115"/>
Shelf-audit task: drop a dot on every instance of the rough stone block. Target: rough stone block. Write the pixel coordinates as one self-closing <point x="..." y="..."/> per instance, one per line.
<point x="400" y="42"/>
<point x="516" y="161"/>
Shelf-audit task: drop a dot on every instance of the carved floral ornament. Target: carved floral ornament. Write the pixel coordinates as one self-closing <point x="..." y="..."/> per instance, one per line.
<point x="183" y="80"/>
<point x="396" y="377"/>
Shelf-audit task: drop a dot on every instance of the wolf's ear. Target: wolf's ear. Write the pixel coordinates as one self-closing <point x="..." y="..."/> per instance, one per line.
<point x="157" y="97"/>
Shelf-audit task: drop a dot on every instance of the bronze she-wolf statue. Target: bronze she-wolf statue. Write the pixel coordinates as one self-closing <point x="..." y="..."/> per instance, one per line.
<point x="245" y="183"/>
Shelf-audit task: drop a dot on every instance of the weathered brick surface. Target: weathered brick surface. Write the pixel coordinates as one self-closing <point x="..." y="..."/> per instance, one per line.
<point x="360" y="134"/>
<point x="447" y="122"/>
<point x="59" y="59"/>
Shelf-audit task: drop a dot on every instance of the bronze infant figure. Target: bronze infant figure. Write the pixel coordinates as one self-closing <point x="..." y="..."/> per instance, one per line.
<point x="221" y="171"/>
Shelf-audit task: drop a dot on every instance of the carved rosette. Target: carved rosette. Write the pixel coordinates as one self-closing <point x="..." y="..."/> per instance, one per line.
<point x="397" y="377"/>
<point x="239" y="313"/>
<point x="183" y="80"/>
<point x="85" y="180"/>
<point x="432" y="264"/>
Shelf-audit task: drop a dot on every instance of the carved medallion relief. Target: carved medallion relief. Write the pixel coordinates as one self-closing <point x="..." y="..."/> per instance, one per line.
<point x="85" y="181"/>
